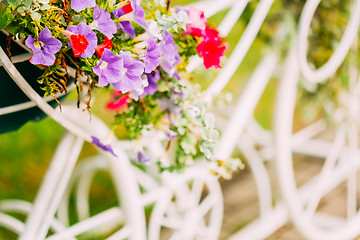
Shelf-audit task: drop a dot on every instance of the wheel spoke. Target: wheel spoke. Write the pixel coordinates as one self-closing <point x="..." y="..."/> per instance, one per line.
<point x="172" y="211"/>
<point x="177" y="236"/>
<point x="196" y="191"/>
<point x="205" y="206"/>
<point x="182" y="194"/>
<point x="123" y="233"/>
<point x="171" y="223"/>
<point x="330" y="161"/>
<point x="307" y="133"/>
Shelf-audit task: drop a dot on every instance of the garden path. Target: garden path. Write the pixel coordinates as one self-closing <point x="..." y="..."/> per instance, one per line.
<point x="241" y="204"/>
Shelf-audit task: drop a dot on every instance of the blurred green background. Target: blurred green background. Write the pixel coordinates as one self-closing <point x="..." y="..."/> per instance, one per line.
<point x="25" y="154"/>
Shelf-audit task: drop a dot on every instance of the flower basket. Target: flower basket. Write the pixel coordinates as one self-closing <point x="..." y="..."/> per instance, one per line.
<point x="11" y="94"/>
<point x="137" y="51"/>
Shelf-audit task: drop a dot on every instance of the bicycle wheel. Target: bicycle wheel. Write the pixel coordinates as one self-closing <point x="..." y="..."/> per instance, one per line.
<point x="190" y="207"/>
<point x="339" y="151"/>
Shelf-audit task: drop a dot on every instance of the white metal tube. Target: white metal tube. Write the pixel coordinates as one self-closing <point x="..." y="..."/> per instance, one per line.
<point x="352" y="179"/>
<point x="261" y="228"/>
<point x="241" y="49"/>
<point x="245" y="106"/>
<point x="152" y="196"/>
<point x="341" y="50"/>
<point x="294" y="199"/>
<point x="20" y="58"/>
<point x="47" y="189"/>
<point x="232" y="17"/>
<point x="19" y="206"/>
<point x="157" y="216"/>
<point x="30" y="104"/>
<point x="94" y="163"/>
<point x="60" y="187"/>
<point x="82" y="195"/>
<point x="123" y="233"/>
<point x="128" y="191"/>
<point x="110" y="216"/>
<point x="261" y="177"/>
<point x="210" y="7"/>
<point x="24" y="207"/>
<point x="11" y="223"/>
<point x="318" y="188"/>
<point x="308" y="132"/>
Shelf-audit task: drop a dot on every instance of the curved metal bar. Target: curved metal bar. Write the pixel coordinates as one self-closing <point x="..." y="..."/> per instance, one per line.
<point x="125" y="182"/>
<point x="245" y="106"/>
<point x="24" y="207"/>
<point x="240" y="50"/>
<point x="231" y="18"/>
<point x="123" y="233"/>
<point x="84" y="167"/>
<point x="82" y="195"/>
<point x="341" y="51"/>
<point x="110" y="216"/>
<point x="261" y="177"/>
<point x="293" y="197"/>
<point x="48" y="188"/>
<point x="11" y="223"/>
<point x="211" y="7"/>
<point x="333" y="155"/>
<point x="60" y="187"/>
<point x="30" y="104"/>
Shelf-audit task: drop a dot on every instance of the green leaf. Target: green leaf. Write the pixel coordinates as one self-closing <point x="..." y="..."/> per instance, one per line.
<point x="20" y="9"/>
<point x="44" y="7"/>
<point x="77" y="19"/>
<point x="27" y="4"/>
<point x="14" y="2"/>
<point x="37" y="16"/>
<point x="5" y="16"/>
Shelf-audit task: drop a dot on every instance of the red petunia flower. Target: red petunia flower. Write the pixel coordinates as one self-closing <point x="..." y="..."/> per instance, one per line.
<point x="128" y="8"/>
<point x="118" y="103"/>
<point x="211" y="48"/>
<point x="78" y="42"/>
<point x="106" y="44"/>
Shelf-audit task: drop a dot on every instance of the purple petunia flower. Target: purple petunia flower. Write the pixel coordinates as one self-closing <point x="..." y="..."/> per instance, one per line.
<point x="122" y="71"/>
<point x="103" y="22"/>
<point x="142" y="157"/>
<point x="131" y="72"/>
<point x="178" y="8"/>
<point x="79" y="5"/>
<point x="152" y="87"/>
<point x="44" y="48"/>
<point x="167" y="104"/>
<point x="124" y="26"/>
<point x="108" y="68"/>
<point x="170" y="56"/>
<point x="152" y="56"/>
<point x="90" y="36"/>
<point x="137" y="14"/>
<point x="104" y="147"/>
<point x="171" y="134"/>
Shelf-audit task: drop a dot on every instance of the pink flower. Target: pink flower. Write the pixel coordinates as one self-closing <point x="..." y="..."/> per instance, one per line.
<point x="198" y="22"/>
<point x="118" y="102"/>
